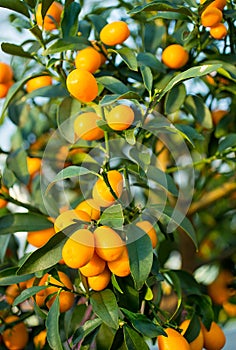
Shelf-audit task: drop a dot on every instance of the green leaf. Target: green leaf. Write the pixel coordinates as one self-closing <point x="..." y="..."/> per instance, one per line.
<point x="164" y="180"/>
<point x="175" y="98"/>
<point x="4" y="240"/>
<point x="193" y="329"/>
<point x="147" y="59"/>
<point x="161" y="6"/>
<point x="140" y="254"/>
<point x="8" y="177"/>
<point x="105" y="306"/>
<point x="188" y="283"/>
<point x="70" y="21"/>
<point x="16" y="50"/>
<point x="203" y="304"/>
<point x="174" y="219"/>
<point x="8" y="276"/>
<point x="147" y="77"/>
<point x="27" y="293"/>
<point x="65" y="44"/>
<point x="14" y="89"/>
<point x="52" y="91"/>
<point x="174" y="280"/>
<point x="227" y="142"/>
<point x="44" y="257"/>
<point x="88" y="327"/>
<point x="67" y="112"/>
<point x="188" y="74"/>
<point x="16" y="162"/>
<point x="109" y="99"/>
<point x="170" y="15"/>
<point x="113" y="84"/>
<point x="128" y="57"/>
<point x="153" y="36"/>
<point x="67" y="173"/>
<point x="190" y="133"/>
<point x="52" y="326"/>
<point x="23" y="222"/>
<point x="113" y="216"/>
<point x="198" y="109"/>
<point x="98" y="21"/>
<point x="15" y="5"/>
<point x="143" y="324"/>
<point x="133" y="340"/>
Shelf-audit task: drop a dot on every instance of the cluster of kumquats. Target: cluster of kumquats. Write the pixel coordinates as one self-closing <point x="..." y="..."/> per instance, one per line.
<point x="212" y="18"/>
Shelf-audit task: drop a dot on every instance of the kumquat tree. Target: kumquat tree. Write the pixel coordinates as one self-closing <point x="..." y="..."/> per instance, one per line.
<point x="118" y="190"/>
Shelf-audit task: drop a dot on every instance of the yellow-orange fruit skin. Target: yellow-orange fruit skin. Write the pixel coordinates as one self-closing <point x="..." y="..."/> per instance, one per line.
<point x="109" y="245"/>
<point x="15" y="338"/>
<point x="174" y="340"/>
<point x="214" y="339"/>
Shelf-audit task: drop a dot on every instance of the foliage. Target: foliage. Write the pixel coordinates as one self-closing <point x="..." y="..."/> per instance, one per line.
<point x="177" y="163"/>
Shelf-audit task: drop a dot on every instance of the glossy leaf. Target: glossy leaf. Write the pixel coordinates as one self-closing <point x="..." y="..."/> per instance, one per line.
<point x="109" y="99"/>
<point x="52" y="326"/>
<point x="27" y="293"/>
<point x="174" y="220"/>
<point x="8" y="276"/>
<point x="70" y="23"/>
<point x="161" y="6"/>
<point x="193" y="72"/>
<point x="113" y="216"/>
<point x="113" y="84"/>
<point x="44" y="257"/>
<point x="175" y="98"/>
<point x="193" y="329"/>
<point x="15" y="5"/>
<point x="105" y="306"/>
<point x="133" y="340"/>
<point x="198" y="109"/>
<point x="227" y="142"/>
<point x="70" y="43"/>
<point x="143" y="324"/>
<point x="16" y="50"/>
<point x="88" y="327"/>
<point x="147" y="59"/>
<point x="140" y="255"/>
<point x="147" y="77"/>
<point x="128" y="56"/>
<point x="164" y="180"/>
<point x="18" y="222"/>
<point x="69" y="172"/>
<point x="16" y="162"/>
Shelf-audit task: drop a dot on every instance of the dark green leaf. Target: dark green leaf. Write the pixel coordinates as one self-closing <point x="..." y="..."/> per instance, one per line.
<point x="203" y="305"/>
<point x="8" y="177"/>
<point x="52" y="326"/>
<point x="113" y="216"/>
<point x="143" y="324"/>
<point x="188" y="74"/>
<point x="193" y="329"/>
<point x="227" y="142"/>
<point x="67" y="173"/>
<point x="161" y="6"/>
<point x="109" y="99"/>
<point x="87" y="328"/>
<point x="70" y="21"/>
<point x="27" y="293"/>
<point x="16" y="50"/>
<point x="23" y="222"/>
<point x="196" y="106"/>
<point x="105" y="306"/>
<point x="147" y="77"/>
<point x="174" y="219"/>
<point x="44" y="257"/>
<point x="98" y="21"/>
<point x="170" y="15"/>
<point x="8" y="276"/>
<point x="140" y="254"/>
<point x="163" y="179"/>
<point x="51" y="91"/>
<point x="4" y="240"/>
<point x="175" y="98"/>
<point x="16" y="162"/>
<point x="149" y="60"/>
<point x="128" y="57"/>
<point x="15" y="5"/>
<point x="70" y="43"/>
<point x="174" y="280"/>
<point x="188" y="284"/>
<point x="113" y="84"/>
<point x="133" y="340"/>
<point x="153" y="36"/>
<point x="67" y="112"/>
<point x="190" y="133"/>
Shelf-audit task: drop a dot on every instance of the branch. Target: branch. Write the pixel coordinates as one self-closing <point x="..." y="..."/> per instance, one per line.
<point x="211" y="197"/>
